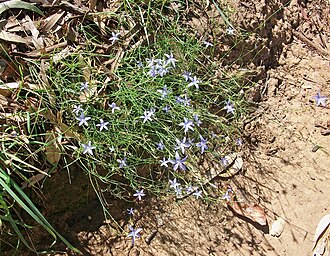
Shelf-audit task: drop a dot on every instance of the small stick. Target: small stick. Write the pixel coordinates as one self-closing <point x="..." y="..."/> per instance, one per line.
<point x="303" y="38"/>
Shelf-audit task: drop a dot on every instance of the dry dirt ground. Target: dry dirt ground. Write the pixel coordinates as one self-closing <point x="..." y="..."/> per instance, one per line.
<point x="286" y="157"/>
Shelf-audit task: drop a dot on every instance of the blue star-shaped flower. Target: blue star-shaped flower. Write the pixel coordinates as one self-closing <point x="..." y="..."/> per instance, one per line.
<point x="139" y="194"/>
<point x="77" y="109"/>
<point x="174" y="184"/>
<point x="148" y="114"/>
<point x="114" y="37"/>
<point x="130" y="211"/>
<point x="170" y="60"/>
<point x="122" y="163"/>
<point x="134" y="233"/>
<point x="103" y="125"/>
<point x="181" y="144"/>
<point x="202" y="144"/>
<point x="164" y="92"/>
<point x="178" y="163"/>
<point x="198" y="193"/>
<point x="207" y="44"/>
<point x="88" y="148"/>
<point x="187" y="125"/>
<point x="164" y="162"/>
<point x="194" y="82"/>
<point x="320" y="100"/>
<point x="196" y="118"/>
<point x="84" y="86"/>
<point x="83" y="119"/>
<point x="167" y="109"/>
<point x="113" y="107"/>
<point x="229" y="107"/>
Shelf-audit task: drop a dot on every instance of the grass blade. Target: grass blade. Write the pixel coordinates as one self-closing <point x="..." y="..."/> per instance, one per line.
<point x="17" y="4"/>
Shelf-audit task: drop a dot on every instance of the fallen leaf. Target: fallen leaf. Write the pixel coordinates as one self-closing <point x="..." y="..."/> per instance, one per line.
<point x="51" y="21"/>
<point x="322" y="236"/>
<point x="36" y="40"/>
<point x="14" y="38"/>
<point x="6" y="89"/>
<point x="252" y="211"/>
<point x="53" y="144"/>
<point x="33" y="180"/>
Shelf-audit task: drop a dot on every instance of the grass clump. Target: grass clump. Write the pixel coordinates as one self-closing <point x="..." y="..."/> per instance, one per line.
<point x="136" y="104"/>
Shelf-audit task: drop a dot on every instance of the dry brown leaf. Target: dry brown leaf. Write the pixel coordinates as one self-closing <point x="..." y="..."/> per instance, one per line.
<point x="252" y="211"/>
<point x="6" y="36"/>
<point x="53" y="146"/>
<point x="51" y="21"/>
<point x="36" y="40"/>
<point x="7" y="88"/>
<point x="33" y="180"/>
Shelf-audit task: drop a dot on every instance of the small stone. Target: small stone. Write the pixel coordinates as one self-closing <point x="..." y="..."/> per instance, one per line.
<point x="277" y="227"/>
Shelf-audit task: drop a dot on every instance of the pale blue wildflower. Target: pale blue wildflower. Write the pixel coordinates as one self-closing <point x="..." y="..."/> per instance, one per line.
<point x="202" y="144"/>
<point x="181" y="144"/>
<point x="194" y="82"/>
<point x="189" y="189"/>
<point x="160" y="145"/>
<point x="103" y="125"/>
<point x="224" y="160"/>
<point x="83" y="119"/>
<point x="113" y="107"/>
<point x="130" y="211"/>
<point x="230" y="31"/>
<point x="320" y="100"/>
<point x="148" y="114"/>
<point x="187" y="76"/>
<point x="229" y="107"/>
<point x="77" y="109"/>
<point x="161" y="70"/>
<point x="164" y="92"/>
<point x="152" y="72"/>
<point x="178" y="163"/>
<point x="228" y="195"/>
<point x="239" y="142"/>
<point x="186" y="101"/>
<point x="167" y="109"/>
<point x="84" y="86"/>
<point x="139" y="194"/>
<point x="122" y="162"/>
<point x="179" y="100"/>
<point x="165" y="161"/>
<point x="134" y="233"/>
<point x="197" y="121"/>
<point x="174" y="184"/>
<point x="190" y="141"/>
<point x="139" y="64"/>
<point x="178" y="191"/>
<point x="114" y="37"/>
<point x="207" y="44"/>
<point x="198" y="193"/>
<point x="88" y="148"/>
<point x="170" y="60"/>
<point x="187" y="125"/>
